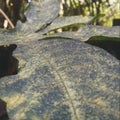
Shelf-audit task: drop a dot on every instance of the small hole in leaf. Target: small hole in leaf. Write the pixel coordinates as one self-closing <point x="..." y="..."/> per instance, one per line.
<point x="8" y="63"/>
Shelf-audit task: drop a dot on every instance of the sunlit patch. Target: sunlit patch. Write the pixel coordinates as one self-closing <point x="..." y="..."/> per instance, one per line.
<point x="14" y="100"/>
<point x="21" y="115"/>
<point x="99" y="102"/>
<point x="22" y="64"/>
<point x="5" y="23"/>
<point x="11" y="4"/>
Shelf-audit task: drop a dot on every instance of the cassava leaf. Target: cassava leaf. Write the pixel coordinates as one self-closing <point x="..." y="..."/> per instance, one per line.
<point x="62" y="22"/>
<point x="59" y="79"/>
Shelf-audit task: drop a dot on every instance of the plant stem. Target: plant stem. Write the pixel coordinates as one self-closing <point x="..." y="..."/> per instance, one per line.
<point x="6" y="17"/>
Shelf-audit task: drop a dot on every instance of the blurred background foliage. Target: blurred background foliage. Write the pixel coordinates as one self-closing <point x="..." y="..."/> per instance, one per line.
<point x="103" y="10"/>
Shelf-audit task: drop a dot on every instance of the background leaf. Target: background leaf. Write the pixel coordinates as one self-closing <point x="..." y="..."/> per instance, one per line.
<point x="40" y="13"/>
<point x="62" y="22"/>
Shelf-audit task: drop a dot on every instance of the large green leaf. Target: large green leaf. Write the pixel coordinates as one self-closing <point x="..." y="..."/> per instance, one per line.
<point x="62" y="79"/>
<point x="59" y="79"/>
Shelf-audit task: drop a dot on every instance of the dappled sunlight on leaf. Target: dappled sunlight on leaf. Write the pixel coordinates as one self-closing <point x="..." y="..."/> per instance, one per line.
<point x="59" y="78"/>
